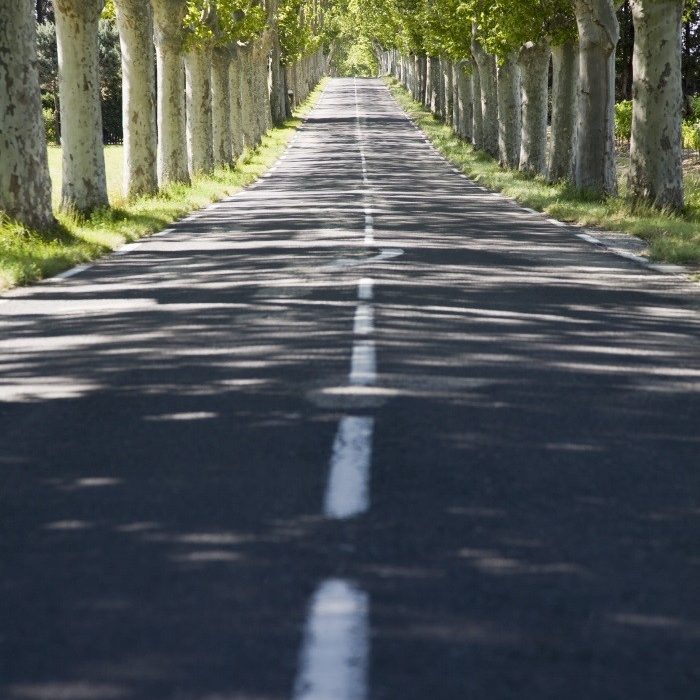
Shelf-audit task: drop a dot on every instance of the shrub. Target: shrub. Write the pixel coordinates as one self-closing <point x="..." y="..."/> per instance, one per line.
<point x="691" y="135"/>
<point x="50" y="126"/>
<point x="623" y="120"/>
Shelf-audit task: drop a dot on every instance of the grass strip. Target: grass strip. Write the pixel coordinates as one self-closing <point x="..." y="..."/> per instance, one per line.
<point x="672" y="237"/>
<point x="27" y="256"/>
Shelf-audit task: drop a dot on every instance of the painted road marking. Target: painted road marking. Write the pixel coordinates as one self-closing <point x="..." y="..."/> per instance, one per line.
<point x="347" y="492"/>
<point x="335" y="654"/>
<point x="363" y="366"/>
<point x="72" y="272"/>
<point x="127" y="248"/>
<point x="365" y="289"/>
<point x="364" y="320"/>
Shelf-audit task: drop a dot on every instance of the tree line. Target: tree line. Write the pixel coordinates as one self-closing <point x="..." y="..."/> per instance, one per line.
<point x="484" y="66"/>
<point x="201" y="81"/>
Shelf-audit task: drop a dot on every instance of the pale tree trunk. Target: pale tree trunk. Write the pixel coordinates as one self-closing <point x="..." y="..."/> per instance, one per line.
<point x="236" y="119"/>
<point x="262" y="60"/>
<point x="423" y="79"/>
<point x="455" y="97"/>
<point x="564" y="79"/>
<point x="25" y="186"/>
<point x="447" y="90"/>
<point x="509" y="112"/>
<point x="135" y="25"/>
<point x="465" y="119"/>
<point x="417" y="78"/>
<point x="246" y="93"/>
<point x="477" y="114"/>
<point x="435" y="81"/>
<point x="200" y="152"/>
<point x="221" y="106"/>
<point x="428" y="94"/>
<point x="534" y="64"/>
<point x="656" y="166"/>
<point x="489" y="98"/>
<point x="84" y="183"/>
<point x="277" y="98"/>
<point x="599" y="32"/>
<point x="172" y="143"/>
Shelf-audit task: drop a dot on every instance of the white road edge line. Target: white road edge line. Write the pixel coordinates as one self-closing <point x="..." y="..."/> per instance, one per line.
<point x="335" y="653"/>
<point x="72" y="272"/>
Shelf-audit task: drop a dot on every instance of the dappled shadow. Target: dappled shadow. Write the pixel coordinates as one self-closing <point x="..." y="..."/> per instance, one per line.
<point x="167" y="420"/>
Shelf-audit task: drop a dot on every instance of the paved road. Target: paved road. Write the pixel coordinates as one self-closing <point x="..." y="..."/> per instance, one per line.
<point x="361" y="431"/>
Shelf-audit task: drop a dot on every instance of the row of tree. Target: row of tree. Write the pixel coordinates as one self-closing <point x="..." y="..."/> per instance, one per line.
<point x="202" y="80"/>
<point x="484" y="65"/>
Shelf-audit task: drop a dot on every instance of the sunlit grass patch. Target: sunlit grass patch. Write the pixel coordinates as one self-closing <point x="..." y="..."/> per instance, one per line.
<point x="671" y="237"/>
<point x="27" y="256"/>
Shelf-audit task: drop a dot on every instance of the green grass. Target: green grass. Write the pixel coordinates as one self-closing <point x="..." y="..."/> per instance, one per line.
<point x="27" y="256"/>
<point x="671" y="237"/>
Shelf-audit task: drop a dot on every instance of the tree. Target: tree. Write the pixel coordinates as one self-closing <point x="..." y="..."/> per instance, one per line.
<point x="168" y="16"/>
<point x="25" y="186"/>
<point x="656" y="165"/>
<point x="598" y="31"/>
<point x="84" y="186"/>
<point x="134" y="19"/>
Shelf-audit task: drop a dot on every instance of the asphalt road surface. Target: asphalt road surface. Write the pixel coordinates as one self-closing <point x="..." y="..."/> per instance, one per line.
<point x="363" y="431"/>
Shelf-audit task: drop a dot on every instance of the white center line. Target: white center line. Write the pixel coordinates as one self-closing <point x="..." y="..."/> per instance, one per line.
<point x="335" y="655"/>
<point x="363" y="368"/>
<point x="365" y="289"/>
<point x="364" y="320"/>
<point x="347" y="493"/>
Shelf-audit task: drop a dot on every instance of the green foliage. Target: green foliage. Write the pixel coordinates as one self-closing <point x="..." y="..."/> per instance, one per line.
<point x="299" y="23"/>
<point x="623" y="120"/>
<point x="357" y="59"/>
<point x="223" y="22"/>
<point x="50" y="125"/>
<point x="691" y="135"/>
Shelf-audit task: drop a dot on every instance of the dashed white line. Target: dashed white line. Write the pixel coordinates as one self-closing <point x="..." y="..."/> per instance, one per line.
<point x="364" y="320"/>
<point x="365" y="289"/>
<point x="347" y="493"/>
<point x="335" y="655"/>
<point x="363" y="366"/>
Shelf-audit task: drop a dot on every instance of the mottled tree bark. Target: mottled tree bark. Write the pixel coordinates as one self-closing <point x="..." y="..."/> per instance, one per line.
<point x="435" y="82"/>
<point x="598" y="32"/>
<point x="25" y="186"/>
<point x="534" y="64"/>
<point x="477" y="114"/>
<point x="509" y="104"/>
<point x="200" y="155"/>
<point x="447" y="90"/>
<point x="172" y="142"/>
<point x="465" y="119"/>
<point x="564" y="79"/>
<point x="455" y="97"/>
<point x="656" y="166"/>
<point x="236" y="119"/>
<point x="221" y="106"/>
<point x="135" y="24"/>
<point x="84" y="186"/>
<point x="489" y="98"/>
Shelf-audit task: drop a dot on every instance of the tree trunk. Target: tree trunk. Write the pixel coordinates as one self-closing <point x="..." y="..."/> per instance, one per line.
<point x="234" y="88"/>
<point x="455" y="97"/>
<point x="477" y="114"/>
<point x="135" y="24"/>
<point x="489" y="98"/>
<point x="261" y="59"/>
<point x="565" y="77"/>
<point x="534" y="63"/>
<point x="447" y="90"/>
<point x="465" y="119"/>
<point x="84" y="183"/>
<point x="200" y="155"/>
<point x="221" y="106"/>
<point x="509" y="104"/>
<point x="598" y="32"/>
<point x="277" y="100"/>
<point x="172" y="143"/>
<point x="246" y="92"/>
<point x="25" y="186"/>
<point x="435" y="81"/>
<point x="656" y="167"/>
